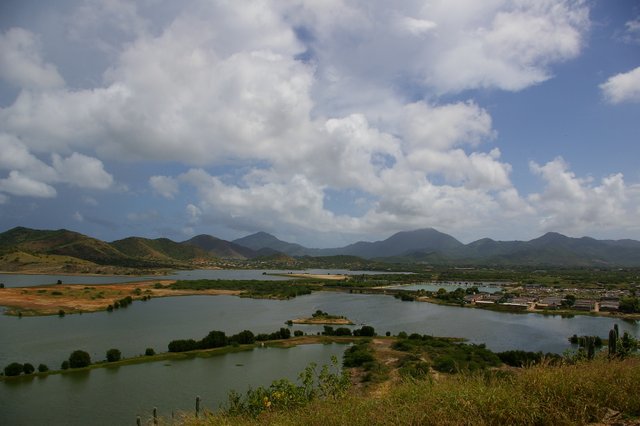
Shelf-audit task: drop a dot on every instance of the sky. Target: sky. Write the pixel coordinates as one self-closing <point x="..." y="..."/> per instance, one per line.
<point x="321" y="122"/>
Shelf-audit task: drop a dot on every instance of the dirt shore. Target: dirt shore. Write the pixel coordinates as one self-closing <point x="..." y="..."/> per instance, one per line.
<point x="322" y="321"/>
<point x="78" y="298"/>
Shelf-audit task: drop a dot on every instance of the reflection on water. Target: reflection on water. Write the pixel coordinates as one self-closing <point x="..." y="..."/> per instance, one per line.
<point x="110" y="396"/>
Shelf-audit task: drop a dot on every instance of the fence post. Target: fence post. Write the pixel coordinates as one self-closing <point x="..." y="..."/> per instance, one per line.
<point x="155" y="415"/>
<point x="197" y="406"/>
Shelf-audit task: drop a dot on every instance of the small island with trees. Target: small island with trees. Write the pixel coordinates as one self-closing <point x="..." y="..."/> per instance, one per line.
<point x="322" y="318"/>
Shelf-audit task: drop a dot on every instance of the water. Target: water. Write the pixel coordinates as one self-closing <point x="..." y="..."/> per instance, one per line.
<point x="449" y="286"/>
<point x="155" y="323"/>
<point x="30" y="280"/>
<point x="115" y="396"/>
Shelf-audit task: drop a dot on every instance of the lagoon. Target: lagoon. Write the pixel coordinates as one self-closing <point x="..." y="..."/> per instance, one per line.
<point x="115" y="396"/>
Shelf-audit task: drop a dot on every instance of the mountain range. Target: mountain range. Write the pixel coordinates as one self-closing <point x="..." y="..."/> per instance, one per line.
<point x="427" y="246"/>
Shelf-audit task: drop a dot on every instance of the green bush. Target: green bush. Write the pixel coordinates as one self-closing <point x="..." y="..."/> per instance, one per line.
<point x="113" y="355"/>
<point x="357" y="355"/>
<point x="28" y="368"/>
<point x="64" y="365"/>
<point x="79" y="359"/>
<point x="42" y="368"/>
<point x="149" y="352"/>
<point x="13" y="369"/>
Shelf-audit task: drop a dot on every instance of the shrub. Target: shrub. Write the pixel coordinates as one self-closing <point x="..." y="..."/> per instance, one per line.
<point x="13" y="369"/>
<point x="79" y="359"/>
<point x="357" y="355"/>
<point x="64" y="365"/>
<point x="113" y="355"/>
<point x="298" y="333"/>
<point x="245" y="337"/>
<point x="149" y="352"/>
<point x="215" y="339"/>
<point x="343" y="331"/>
<point x="182" y="345"/>
<point x="42" y="368"/>
<point x="28" y="368"/>
<point x="366" y="331"/>
<point x="61" y="313"/>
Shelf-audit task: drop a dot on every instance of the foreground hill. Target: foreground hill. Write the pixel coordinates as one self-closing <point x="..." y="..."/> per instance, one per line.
<point x="599" y="392"/>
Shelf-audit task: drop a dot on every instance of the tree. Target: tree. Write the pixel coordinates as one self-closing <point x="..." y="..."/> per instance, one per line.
<point x="113" y="355"/>
<point x="42" y="368"/>
<point x="149" y="352"/>
<point x="28" y="368"/>
<point x="215" y="339"/>
<point x="245" y="337"/>
<point x="79" y="359"/>
<point x="13" y="369"/>
<point x="64" y="365"/>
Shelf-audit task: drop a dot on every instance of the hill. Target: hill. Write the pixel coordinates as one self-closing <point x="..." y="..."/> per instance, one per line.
<point x="262" y="240"/>
<point x="221" y="248"/>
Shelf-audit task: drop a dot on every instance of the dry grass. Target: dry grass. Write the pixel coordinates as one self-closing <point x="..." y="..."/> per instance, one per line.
<point x="543" y="395"/>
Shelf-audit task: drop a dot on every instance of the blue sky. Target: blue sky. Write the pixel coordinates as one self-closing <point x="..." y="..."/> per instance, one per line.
<point x="323" y="123"/>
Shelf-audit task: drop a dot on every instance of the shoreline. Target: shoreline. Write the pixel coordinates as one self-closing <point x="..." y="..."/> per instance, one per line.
<point x="198" y="353"/>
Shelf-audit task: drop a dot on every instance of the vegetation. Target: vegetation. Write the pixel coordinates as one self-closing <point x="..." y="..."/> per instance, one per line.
<point x="518" y="358"/>
<point x="149" y="352"/>
<point x="114" y="355"/>
<point x="218" y="339"/>
<point x="327" y="384"/>
<point x="564" y="394"/>
<point x="13" y="369"/>
<point x="448" y="355"/>
<point x="252" y="288"/>
<point x="79" y="359"/>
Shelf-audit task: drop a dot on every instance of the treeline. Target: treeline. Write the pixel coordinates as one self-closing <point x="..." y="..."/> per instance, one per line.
<point x="285" y="289"/>
<point x="219" y="339"/>
<point x="77" y="359"/>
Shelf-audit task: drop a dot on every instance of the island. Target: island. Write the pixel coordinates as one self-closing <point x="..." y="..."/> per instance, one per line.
<point x="322" y="318"/>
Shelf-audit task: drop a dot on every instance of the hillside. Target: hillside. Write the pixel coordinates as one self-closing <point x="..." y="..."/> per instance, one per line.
<point x="220" y="248"/>
<point x="599" y="392"/>
<point x="429" y="246"/>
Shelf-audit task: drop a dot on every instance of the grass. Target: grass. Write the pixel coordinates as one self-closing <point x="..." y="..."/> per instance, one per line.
<point x="541" y="395"/>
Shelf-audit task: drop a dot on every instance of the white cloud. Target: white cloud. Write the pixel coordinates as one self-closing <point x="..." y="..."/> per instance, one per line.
<point x="164" y="186"/>
<point x="466" y="44"/>
<point x="77" y="216"/>
<point x="82" y="171"/>
<point x="21" y="185"/>
<point x="76" y="170"/>
<point x="623" y="87"/>
<point x="21" y="63"/>
<point x="3" y="199"/>
<point x="577" y="205"/>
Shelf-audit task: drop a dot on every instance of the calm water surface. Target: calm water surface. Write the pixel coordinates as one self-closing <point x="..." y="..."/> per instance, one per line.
<point x="91" y="398"/>
<point x="154" y="323"/>
<point x="115" y="396"/>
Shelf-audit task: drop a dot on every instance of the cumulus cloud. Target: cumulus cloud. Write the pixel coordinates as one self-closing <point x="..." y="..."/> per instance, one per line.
<point x="82" y="171"/>
<point x="30" y="176"/>
<point x="18" y="184"/>
<point x="578" y="204"/>
<point x="623" y="87"/>
<point x="21" y="62"/>
<point x="301" y="99"/>
<point x="501" y="44"/>
<point x="165" y="186"/>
